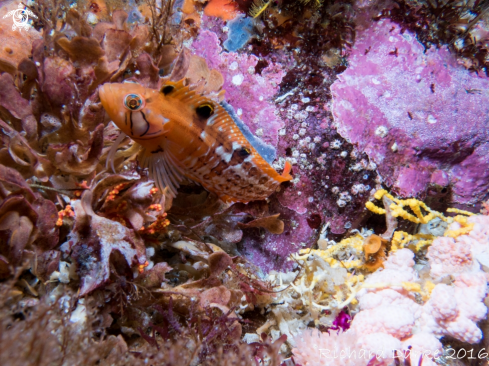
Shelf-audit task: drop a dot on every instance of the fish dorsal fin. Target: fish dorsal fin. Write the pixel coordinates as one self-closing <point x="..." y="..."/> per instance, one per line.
<point x="162" y="168"/>
<point x="185" y="93"/>
<point x="231" y="134"/>
<point x="169" y="86"/>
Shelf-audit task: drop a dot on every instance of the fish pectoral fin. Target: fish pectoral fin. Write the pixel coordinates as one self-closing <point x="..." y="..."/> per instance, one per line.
<point x="286" y="173"/>
<point x="162" y="168"/>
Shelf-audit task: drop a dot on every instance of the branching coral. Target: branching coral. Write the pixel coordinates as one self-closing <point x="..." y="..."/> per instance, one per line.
<point x="316" y="295"/>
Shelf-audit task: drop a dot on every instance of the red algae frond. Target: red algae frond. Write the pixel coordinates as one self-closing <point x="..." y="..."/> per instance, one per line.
<point x="114" y="192"/>
<point x="157" y="227"/>
<point x="67" y="212"/>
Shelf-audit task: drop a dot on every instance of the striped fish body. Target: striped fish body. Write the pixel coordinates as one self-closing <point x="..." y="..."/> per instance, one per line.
<point x="184" y="134"/>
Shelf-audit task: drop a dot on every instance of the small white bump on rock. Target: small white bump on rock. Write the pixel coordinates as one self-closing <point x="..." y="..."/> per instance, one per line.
<point x="381" y="131"/>
<point x="238" y="79"/>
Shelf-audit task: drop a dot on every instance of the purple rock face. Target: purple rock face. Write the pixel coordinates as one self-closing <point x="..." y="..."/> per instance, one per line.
<point x="287" y="105"/>
<point x="419" y="116"/>
<point x="269" y="251"/>
<point x="247" y="91"/>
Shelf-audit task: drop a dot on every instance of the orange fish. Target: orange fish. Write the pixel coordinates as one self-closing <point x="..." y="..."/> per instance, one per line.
<point x="185" y="134"/>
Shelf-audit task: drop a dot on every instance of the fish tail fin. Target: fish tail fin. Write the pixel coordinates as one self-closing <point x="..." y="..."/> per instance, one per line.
<point x="286" y="173"/>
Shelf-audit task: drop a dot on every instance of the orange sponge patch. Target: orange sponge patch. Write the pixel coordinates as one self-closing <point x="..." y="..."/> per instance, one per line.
<point x="224" y="9"/>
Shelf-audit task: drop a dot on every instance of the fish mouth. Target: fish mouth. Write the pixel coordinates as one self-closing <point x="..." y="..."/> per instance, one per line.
<point x="104" y="91"/>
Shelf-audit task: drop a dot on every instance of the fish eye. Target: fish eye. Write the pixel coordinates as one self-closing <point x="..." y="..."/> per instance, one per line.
<point x="133" y="102"/>
<point x="205" y="110"/>
<point x="167" y="89"/>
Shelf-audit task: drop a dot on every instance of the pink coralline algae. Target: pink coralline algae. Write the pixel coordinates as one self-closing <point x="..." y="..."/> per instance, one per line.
<point x="269" y="251"/>
<point x="418" y="115"/>
<point x="247" y="91"/>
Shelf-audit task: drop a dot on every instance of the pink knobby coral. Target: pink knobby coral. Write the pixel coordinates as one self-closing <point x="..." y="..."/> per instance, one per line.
<point x="448" y="256"/>
<point x="390" y="319"/>
<point x="477" y="239"/>
<point x="451" y="310"/>
<point x="455" y="310"/>
<point x="314" y="348"/>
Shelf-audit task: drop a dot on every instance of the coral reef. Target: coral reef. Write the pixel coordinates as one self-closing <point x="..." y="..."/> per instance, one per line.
<point x="377" y="109"/>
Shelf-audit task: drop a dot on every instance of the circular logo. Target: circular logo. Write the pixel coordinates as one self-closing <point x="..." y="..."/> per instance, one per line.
<point x="20" y="18"/>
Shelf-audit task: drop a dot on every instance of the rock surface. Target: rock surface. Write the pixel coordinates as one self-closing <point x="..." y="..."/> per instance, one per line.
<point x="417" y="114"/>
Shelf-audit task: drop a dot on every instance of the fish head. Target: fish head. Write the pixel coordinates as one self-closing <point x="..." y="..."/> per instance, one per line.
<point x="134" y="109"/>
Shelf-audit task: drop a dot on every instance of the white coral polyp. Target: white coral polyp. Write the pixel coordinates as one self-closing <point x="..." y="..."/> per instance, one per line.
<point x="443" y="306"/>
<point x="383" y="297"/>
